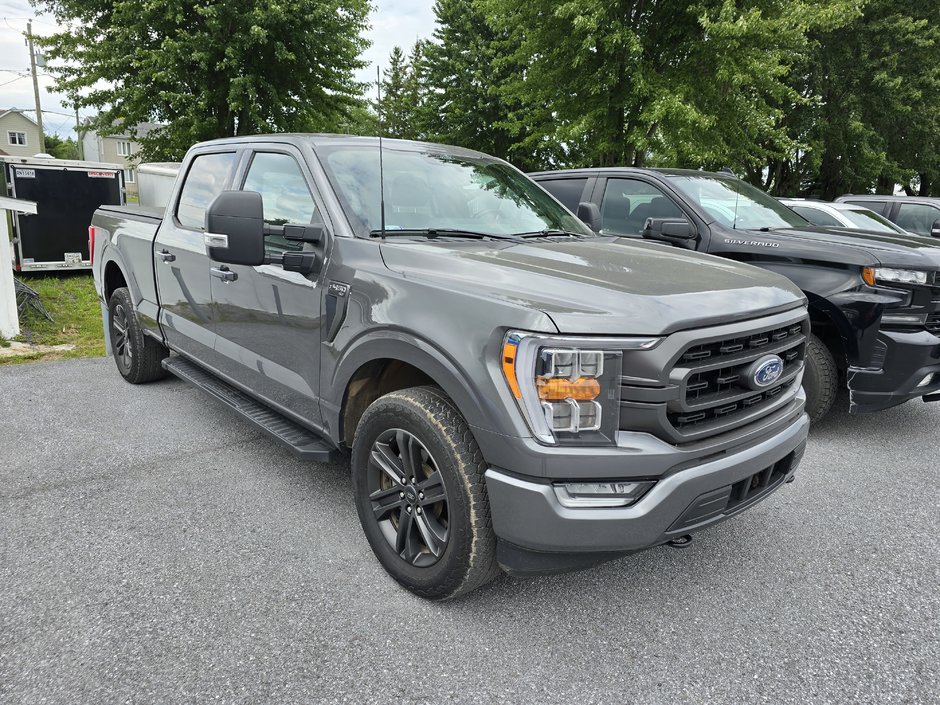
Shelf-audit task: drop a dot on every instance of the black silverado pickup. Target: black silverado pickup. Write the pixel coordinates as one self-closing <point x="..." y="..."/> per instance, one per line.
<point x="874" y="299"/>
<point x="515" y="391"/>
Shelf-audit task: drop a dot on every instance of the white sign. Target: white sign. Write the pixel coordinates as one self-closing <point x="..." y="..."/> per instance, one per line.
<point x="102" y="174"/>
<point x="25" y="173"/>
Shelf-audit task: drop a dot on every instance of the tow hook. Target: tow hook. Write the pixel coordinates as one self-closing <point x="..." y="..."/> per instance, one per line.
<point x="680" y="541"/>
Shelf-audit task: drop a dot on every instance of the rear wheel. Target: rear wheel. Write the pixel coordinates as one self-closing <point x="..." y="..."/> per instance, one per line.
<point x="421" y="496"/>
<point x="138" y="356"/>
<point x="820" y="380"/>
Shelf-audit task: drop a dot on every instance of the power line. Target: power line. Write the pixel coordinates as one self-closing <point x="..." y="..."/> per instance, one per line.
<point x="13" y="80"/>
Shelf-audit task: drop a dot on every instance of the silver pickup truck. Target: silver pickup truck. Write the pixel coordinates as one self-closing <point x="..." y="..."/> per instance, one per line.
<point x="515" y="392"/>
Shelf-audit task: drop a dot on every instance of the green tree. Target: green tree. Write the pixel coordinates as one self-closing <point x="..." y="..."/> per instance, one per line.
<point x="468" y="64"/>
<point x="61" y="148"/>
<point x="209" y="68"/>
<point x="689" y="84"/>
<point x="396" y="105"/>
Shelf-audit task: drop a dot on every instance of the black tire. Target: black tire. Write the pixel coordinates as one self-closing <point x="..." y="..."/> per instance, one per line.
<point x="820" y="379"/>
<point x="137" y="356"/>
<point x="425" y="423"/>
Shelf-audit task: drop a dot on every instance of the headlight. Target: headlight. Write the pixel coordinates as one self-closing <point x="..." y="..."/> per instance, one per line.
<point x="568" y="388"/>
<point x="899" y="276"/>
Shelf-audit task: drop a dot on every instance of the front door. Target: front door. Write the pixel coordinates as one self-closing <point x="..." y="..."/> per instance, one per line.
<point x="180" y="261"/>
<point x="267" y="321"/>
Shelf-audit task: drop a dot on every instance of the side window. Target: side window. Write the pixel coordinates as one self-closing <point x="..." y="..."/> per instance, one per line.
<point x="284" y="191"/>
<point x="879" y="207"/>
<point x="917" y="217"/>
<point x="205" y="180"/>
<point x="568" y="191"/>
<point x="629" y="202"/>
<point x="817" y="217"/>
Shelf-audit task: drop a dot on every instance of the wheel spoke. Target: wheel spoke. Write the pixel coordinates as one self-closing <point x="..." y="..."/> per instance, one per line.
<point x="118" y="326"/>
<point x="384" y="501"/>
<point x="410" y="451"/>
<point x="405" y="542"/>
<point x="384" y="458"/>
<point x="433" y="489"/>
<point x="434" y="535"/>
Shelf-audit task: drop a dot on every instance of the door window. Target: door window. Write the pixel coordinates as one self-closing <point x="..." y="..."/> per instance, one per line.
<point x="817" y="217"/>
<point x="917" y="217"/>
<point x="205" y="180"/>
<point x="285" y="194"/>
<point x="877" y="206"/>
<point x="568" y="191"/>
<point x="629" y="202"/>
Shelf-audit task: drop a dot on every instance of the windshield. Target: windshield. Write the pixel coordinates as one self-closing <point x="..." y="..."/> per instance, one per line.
<point x="737" y="204"/>
<point x="432" y="190"/>
<point x="869" y="220"/>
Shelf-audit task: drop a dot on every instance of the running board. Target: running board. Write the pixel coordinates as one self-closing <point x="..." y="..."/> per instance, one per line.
<point x="304" y="443"/>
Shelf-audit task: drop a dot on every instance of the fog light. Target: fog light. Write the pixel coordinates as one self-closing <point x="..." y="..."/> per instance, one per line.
<point x="600" y="494"/>
<point x="926" y="381"/>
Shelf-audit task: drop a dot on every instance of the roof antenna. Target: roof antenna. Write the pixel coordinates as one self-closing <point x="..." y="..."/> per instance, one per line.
<point x="378" y="88"/>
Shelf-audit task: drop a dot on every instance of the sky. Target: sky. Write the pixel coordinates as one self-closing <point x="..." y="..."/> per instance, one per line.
<point x="393" y="22"/>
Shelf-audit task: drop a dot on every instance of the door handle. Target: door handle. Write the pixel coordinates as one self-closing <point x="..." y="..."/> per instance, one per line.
<point x="166" y="256"/>
<point x="223" y="273"/>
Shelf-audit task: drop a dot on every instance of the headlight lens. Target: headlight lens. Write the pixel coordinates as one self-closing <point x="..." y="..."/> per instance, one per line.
<point x="899" y="276"/>
<point x="568" y="388"/>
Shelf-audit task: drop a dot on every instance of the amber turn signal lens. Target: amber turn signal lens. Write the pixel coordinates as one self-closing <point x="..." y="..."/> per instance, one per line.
<point x="557" y="389"/>
<point x="868" y="275"/>
<point x="509" y="366"/>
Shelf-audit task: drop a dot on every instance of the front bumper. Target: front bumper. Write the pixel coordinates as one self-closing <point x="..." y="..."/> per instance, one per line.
<point x="538" y="535"/>
<point x="908" y="358"/>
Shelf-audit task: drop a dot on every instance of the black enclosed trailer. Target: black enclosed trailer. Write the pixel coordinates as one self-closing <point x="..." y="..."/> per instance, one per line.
<point x="66" y="193"/>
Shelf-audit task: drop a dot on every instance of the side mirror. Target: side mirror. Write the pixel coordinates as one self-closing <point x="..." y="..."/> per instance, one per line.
<point x="678" y="231"/>
<point x="590" y="215"/>
<point x="935" y="228"/>
<point x="304" y="233"/>
<point x="235" y="228"/>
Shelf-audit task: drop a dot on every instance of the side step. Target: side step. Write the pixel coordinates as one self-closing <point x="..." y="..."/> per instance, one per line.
<point x="305" y="444"/>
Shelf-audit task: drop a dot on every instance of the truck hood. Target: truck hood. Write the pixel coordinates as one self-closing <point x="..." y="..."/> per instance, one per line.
<point x="600" y="285"/>
<point x="855" y="246"/>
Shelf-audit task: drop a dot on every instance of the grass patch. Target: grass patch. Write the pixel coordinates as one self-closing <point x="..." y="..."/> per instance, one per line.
<point x="70" y="299"/>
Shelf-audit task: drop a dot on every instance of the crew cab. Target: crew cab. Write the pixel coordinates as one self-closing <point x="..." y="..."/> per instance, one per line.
<point x="514" y="391"/>
<point x="874" y="298"/>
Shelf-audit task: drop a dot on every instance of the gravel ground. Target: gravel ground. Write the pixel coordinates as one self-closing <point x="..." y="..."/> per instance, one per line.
<point x="155" y="549"/>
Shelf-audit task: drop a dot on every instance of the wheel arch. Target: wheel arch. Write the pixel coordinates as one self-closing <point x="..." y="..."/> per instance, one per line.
<point x="379" y="366"/>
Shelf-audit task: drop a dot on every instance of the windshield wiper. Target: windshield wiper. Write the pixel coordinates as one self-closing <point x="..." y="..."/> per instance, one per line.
<point x="549" y="232"/>
<point x="432" y="233"/>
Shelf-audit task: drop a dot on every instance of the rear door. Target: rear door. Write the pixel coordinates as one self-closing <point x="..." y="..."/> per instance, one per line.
<point x="268" y="320"/>
<point x="180" y="261"/>
<point x="569" y="190"/>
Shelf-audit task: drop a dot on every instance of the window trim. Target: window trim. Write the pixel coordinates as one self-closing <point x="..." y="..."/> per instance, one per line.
<point x="10" y="141"/>
<point x="121" y="143"/>
<point x="130" y="173"/>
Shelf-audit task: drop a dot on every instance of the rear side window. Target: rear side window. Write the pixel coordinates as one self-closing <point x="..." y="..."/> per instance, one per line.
<point x="917" y="217"/>
<point x="205" y="180"/>
<point x="568" y="191"/>
<point x="879" y="207"/>
<point x="817" y="217"/>
<point x="629" y="202"/>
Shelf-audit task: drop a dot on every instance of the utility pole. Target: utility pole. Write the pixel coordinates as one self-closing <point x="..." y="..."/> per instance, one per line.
<point x="32" y="66"/>
<point x="78" y="135"/>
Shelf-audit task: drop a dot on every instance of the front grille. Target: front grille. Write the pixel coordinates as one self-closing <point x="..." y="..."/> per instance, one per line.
<point x="717" y="387"/>
<point x="703" y="384"/>
<point x="933" y="322"/>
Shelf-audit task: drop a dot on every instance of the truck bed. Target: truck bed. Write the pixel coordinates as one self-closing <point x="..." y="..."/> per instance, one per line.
<point x="141" y="213"/>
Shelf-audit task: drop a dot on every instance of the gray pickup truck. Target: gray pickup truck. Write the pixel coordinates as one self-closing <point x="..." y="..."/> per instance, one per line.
<point x="515" y="391"/>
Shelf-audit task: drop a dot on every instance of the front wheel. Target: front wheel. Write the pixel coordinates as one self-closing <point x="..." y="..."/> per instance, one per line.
<point x="820" y="379"/>
<point x="421" y="496"/>
<point x="138" y="356"/>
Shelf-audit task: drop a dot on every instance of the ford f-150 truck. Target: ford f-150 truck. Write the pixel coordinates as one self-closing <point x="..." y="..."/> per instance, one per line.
<point x="514" y="391"/>
<point x="874" y="299"/>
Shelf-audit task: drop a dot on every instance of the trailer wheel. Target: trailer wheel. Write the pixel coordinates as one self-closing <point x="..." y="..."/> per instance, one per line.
<point x="138" y="356"/>
<point x="820" y="379"/>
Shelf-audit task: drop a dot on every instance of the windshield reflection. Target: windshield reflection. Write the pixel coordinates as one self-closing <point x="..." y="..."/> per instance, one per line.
<point x="430" y="190"/>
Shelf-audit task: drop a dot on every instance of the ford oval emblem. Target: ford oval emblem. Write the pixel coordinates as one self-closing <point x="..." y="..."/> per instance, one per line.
<point x="765" y="372"/>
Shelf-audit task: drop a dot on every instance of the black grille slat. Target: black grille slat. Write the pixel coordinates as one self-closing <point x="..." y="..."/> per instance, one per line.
<point x="715" y="393"/>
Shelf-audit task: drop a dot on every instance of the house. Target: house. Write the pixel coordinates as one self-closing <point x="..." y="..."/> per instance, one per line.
<point x="19" y="134"/>
<point x="117" y="149"/>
